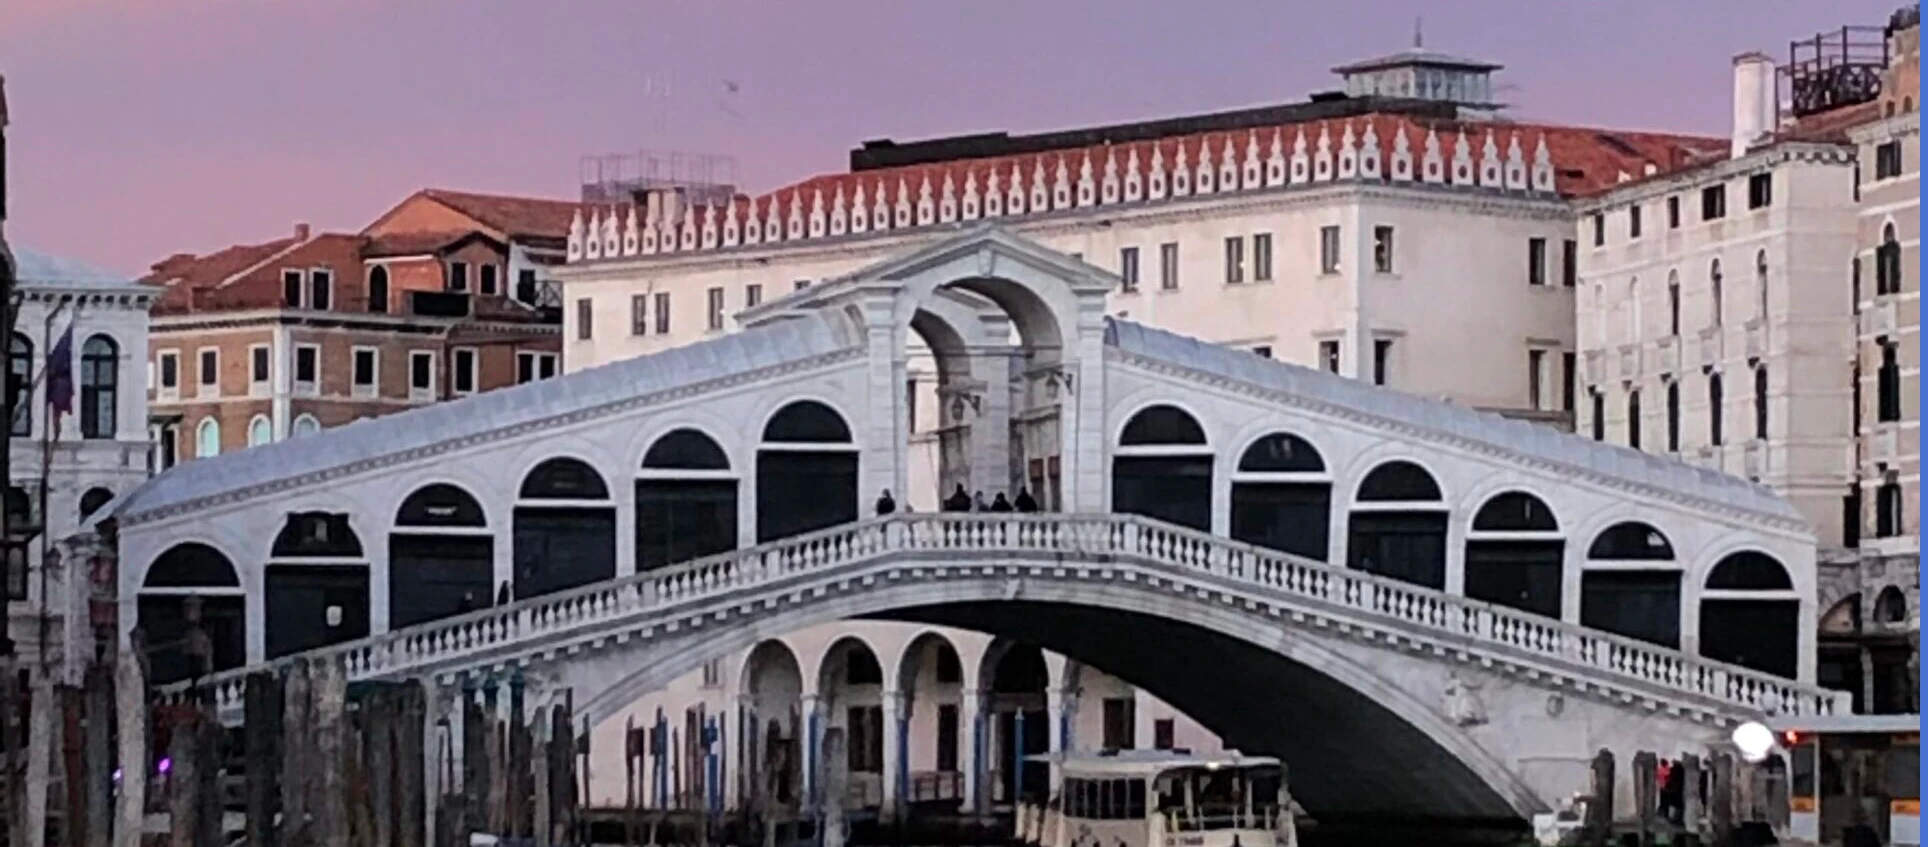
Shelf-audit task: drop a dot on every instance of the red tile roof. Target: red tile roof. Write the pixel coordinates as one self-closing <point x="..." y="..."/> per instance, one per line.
<point x="1831" y="126"/>
<point x="516" y="217"/>
<point x="410" y="243"/>
<point x="244" y="276"/>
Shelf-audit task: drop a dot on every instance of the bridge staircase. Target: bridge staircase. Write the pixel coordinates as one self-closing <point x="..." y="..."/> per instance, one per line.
<point x="1093" y="548"/>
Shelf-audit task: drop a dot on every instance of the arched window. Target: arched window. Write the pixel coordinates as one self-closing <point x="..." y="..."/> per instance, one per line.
<point x="1889" y="510"/>
<point x="1750" y="614"/>
<point x="1515" y="555"/>
<point x="92" y="501"/>
<point x="806" y="472"/>
<point x="1162" y="468"/>
<point x="1887" y="263"/>
<point x="565" y="530"/>
<point x="1760" y="401"/>
<point x="316" y="535"/>
<point x="441" y="557"/>
<point x="1633" y="419"/>
<point x="1673" y="416"/>
<point x="1716" y="401"/>
<point x="305" y="424"/>
<point x="191" y="587"/>
<point x="207" y="438"/>
<point x="1397" y="527"/>
<point x="260" y="431"/>
<point x="1717" y="305"/>
<point x="1891" y="606"/>
<point x="1282" y="497"/>
<point x="99" y="387"/>
<point x="1760" y="283"/>
<point x="1630" y="584"/>
<point x="317" y="584"/>
<point x="1673" y="303"/>
<point x="563" y="478"/>
<point x="686" y="498"/>
<point x="378" y="289"/>
<point x="20" y="385"/>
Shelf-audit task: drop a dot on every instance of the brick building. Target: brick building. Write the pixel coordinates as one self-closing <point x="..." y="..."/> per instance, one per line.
<point x="444" y="295"/>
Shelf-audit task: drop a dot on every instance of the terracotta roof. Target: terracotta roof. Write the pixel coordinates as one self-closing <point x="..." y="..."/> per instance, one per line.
<point x="189" y="270"/>
<point x="516" y="217"/>
<point x="1831" y="126"/>
<point x="240" y="277"/>
<point x="410" y="243"/>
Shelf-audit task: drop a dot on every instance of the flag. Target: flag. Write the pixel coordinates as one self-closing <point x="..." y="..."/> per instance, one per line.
<point x="60" y="374"/>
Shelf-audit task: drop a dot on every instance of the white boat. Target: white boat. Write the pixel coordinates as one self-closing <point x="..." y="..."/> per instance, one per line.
<point x="1162" y="798"/>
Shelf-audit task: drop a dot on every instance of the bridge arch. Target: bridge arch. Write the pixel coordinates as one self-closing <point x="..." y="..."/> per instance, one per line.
<point x="315" y="583"/>
<point x="563" y="526"/>
<point x="1631" y="583"/>
<point x="1398" y="523"/>
<point x="441" y="555"/>
<point x="1281" y="495"/>
<point x="1161" y="465"/>
<point x="1515" y="553"/>
<point x="1417" y="756"/>
<point x="1750" y="614"/>
<point x="807" y="469"/>
<point x="192" y="585"/>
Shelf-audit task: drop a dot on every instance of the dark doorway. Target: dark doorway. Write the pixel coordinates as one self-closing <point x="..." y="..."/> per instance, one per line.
<point x="1018" y="683"/>
<point x="560" y="549"/>
<point x="1281" y="498"/>
<point x="189" y="582"/>
<point x="441" y="557"/>
<point x="799" y="492"/>
<point x="1640" y="604"/>
<point x="1758" y="634"/>
<point x="1398" y="527"/>
<point x="686" y="502"/>
<point x="314" y="606"/>
<point x="1162" y="469"/>
<point x="1514" y="555"/>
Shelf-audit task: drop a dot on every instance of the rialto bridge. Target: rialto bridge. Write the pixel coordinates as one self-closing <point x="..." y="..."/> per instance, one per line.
<point x="1425" y="609"/>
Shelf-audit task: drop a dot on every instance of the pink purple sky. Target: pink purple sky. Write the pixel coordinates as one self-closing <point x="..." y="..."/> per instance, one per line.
<point x="148" y="127"/>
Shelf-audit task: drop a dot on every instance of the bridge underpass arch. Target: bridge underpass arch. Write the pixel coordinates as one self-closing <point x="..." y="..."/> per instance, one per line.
<point x="1360" y="742"/>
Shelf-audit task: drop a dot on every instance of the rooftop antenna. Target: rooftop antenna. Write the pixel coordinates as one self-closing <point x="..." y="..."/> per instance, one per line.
<point x="1419" y="33"/>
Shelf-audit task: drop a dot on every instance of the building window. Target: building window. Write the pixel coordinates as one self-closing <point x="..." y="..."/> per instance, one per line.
<point x="99" y="387"/>
<point x="1760" y="283"/>
<point x="1164" y="735"/>
<point x="662" y="312"/>
<point x="1234" y="260"/>
<point x="260" y="372"/>
<point x="1536" y="261"/>
<point x="486" y="278"/>
<point x="1536" y="379"/>
<point x="291" y="289"/>
<point x="1887" y="263"/>
<point x="321" y="290"/>
<point x="1599" y="414"/>
<point x="170" y="369"/>
<point x="1633" y="221"/>
<point x="367" y="369"/>
<point x="1328" y="249"/>
<point x="1887" y="160"/>
<point x="1382" y="249"/>
<point x="1715" y="400"/>
<point x="752" y="295"/>
<point x="1168" y="266"/>
<point x="585" y="318"/>
<point x="1569" y="380"/>
<point x="1120" y="723"/>
<point x="1599" y="229"/>
<point x="464" y="371"/>
<point x="1381" y="361"/>
<point x="1760" y="402"/>
<point x="1329" y="356"/>
<point x="638" y="314"/>
<point x="800" y="285"/>
<point x="1673" y="212"/>
<point x="1760" y="191"/>
<point x="715" y="312"/>
<point x="1718" y="296"/>
<point x="534" y="365"/>
<point x="207" y="438"/>
<point x="260" y="431"/>
<point x="1888" y="509"/>
<point x="1673" y="303"/>
<point x="1263" y="351"/>
<point x="207" y="376"/>
<point x="1713" y="202"/>
<point x="1888" y="382"/>
<point x="421" y="375"/>
<point x="1262" y="257"/>
<point x="458" y="276"/>
<point x="378" y="289"/>
<point x="525" y="286"/>
<point x="1569" y="263"/>
<point x="305" y="424"/>
<point x="307" y="368"/>
<point x="1128" y="269"/>
<point x="1633" y="419"/>
<point x="1673" y="416"/>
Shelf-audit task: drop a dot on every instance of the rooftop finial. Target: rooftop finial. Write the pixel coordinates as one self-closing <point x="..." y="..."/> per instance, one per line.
<point x="1419" y="33"/>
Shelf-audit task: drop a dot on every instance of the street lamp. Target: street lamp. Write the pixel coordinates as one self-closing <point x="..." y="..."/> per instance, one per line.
<point x="1754" y="740"/>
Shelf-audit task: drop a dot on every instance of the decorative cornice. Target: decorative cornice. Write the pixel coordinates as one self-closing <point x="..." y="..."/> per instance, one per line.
<point x="1485" y="449"/>
<point x="1756" y="161"/>
<point x="653" y="400"/>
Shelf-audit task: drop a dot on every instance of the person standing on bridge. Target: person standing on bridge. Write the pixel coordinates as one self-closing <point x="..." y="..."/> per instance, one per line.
<point x="958" y="501"/>
<point x="1025" y="502"/>
<point x="885" y="504"/>
<point x="1000" y="504"/>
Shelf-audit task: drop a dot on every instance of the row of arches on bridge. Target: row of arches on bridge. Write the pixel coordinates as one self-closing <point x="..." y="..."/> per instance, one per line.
<point x="442" y="549"/>
<point x="441" y="552"/>
<point x="1515" y="548"/>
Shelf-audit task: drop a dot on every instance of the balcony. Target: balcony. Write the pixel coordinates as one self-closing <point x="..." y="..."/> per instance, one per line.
<point x="1596" y="367"/>
<point x="1712" y="348"/>
<point x="1879" y="319"/>
<point x="1756" y="335"/>
<point x="1667" y="355"/>
<point x="1629" y="361"/>
<point x="439" y="304"/>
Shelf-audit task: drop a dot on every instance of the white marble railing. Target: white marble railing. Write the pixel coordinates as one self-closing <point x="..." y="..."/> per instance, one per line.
<point x="1369" y="601"/>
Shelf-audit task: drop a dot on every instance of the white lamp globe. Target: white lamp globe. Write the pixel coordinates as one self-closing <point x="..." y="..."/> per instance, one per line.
<point x="1754" y="741"/>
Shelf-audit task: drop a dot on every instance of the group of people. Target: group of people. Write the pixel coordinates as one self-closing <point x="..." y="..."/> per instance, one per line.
<point x="960" y="501"/>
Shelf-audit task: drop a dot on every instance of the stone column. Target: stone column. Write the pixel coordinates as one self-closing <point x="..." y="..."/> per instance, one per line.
<point x="1063" y="708"/>
<point x="976" y="740"/>
<point x="812" y="716"/>
<point x="885" y="423"/>
<point x="896" y="776"/>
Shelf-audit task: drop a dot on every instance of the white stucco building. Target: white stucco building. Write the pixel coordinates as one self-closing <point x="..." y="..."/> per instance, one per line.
<point x="98" y="451"/>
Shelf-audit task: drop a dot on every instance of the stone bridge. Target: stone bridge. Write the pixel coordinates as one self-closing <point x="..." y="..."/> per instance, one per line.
<point x="1427" y="610"/>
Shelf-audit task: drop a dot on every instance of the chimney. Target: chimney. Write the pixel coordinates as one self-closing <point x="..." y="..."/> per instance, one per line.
<point x="1756" y="101"/>
<point x="301" y="231"/>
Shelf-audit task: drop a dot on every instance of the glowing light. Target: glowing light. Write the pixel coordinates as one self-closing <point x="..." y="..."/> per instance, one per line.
<point x="165" y="767"/>
<point x="1754" y="741"/>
